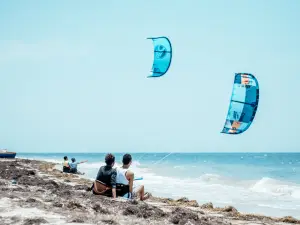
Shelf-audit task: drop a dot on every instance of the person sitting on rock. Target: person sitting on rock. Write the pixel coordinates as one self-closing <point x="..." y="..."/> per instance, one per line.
<point x="125" y="178"/>
<point x="105" y="183"/>
<point x="66" y="165"/>
<point x="73" y="166"/>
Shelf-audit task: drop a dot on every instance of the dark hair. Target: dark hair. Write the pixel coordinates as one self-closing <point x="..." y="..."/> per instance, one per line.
<point x="73" y="159"/>
<point x="66" y="157"/>
<point x="109" y="159"/>
<point x="127" y="159"/>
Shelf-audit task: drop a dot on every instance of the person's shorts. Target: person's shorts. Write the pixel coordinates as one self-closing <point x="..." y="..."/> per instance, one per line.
<point x="73" y="170"/>
<point x="66" y="169"/>
<point x="135" y="190"/>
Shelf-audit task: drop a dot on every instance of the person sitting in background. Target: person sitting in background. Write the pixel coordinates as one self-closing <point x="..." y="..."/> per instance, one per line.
<point x="125" y="178"/>
<point x="73" y="166"/>
<point x="105" y="183"/>
<point x="66" y="165"/>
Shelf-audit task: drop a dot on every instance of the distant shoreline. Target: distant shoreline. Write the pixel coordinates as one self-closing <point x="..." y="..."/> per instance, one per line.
<point x="160" y="152"/>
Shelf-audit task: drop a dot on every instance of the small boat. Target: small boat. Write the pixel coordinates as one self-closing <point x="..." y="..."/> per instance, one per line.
<point x="6" y="154"/>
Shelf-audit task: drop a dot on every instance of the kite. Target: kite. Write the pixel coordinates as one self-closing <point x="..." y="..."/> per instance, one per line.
<point x="162" y="56"/>
<point x="243" y="104"/>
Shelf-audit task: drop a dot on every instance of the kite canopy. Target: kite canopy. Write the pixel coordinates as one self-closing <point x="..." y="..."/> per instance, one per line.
<point x="243" y="104"/>
<point x="162" y="56"/>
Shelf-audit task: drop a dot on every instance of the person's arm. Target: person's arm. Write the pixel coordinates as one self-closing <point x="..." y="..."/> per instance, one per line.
<point x="83" y="161"/>
<point x="114" y="194"/>
<point x="130" y="177"/>
<point x="114" y="183"/>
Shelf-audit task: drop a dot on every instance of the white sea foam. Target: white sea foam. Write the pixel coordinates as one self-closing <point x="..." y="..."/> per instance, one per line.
<point x="275" y="187"/>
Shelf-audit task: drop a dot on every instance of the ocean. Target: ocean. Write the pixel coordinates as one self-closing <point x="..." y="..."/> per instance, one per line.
<point x="263" y="183"/>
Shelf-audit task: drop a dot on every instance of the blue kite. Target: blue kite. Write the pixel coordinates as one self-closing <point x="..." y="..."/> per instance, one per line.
<point x="243" y="104"/>
<point x="162" y="56"/>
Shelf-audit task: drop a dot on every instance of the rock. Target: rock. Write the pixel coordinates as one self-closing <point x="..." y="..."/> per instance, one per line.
<point x="182" y="216"/>
<point x="6" y="189"/>
<point x="32" y="181"/>
<point x="64" y="193"/>
<point x="84" y="194"/>
<point x="193" y="203"/>
<point x="230" y="209"/>
<point x="26" y="161"/>
<point x="99" y="209"/>
<point x="30" y="200"/>
<point x="49" y="199"/>
<point x="131" y="210"/>
<point x="289" y="219"/>
<point x="74" y="205"/>
<point x="34" y="221"/>
<point x="13" y="164"/>
<point x="110" y="222"/>
<point x="18" y="189"/>
<point x="15" y="219"/>
<point x="207" y="206"/>
<point x="57" y="204"/>
<point x="81" y="187"/>
<point x="13" y="196"/>
<point x="53" y="184"/>
<point x="184" y="199"/>
<point x="77" y="220"/>
<point x="134" y="202"/>
<point x="144" y="210"/>
<point x="213" y="221"/>
<point x="2" y="183"/>
<point x="31" y="173"/>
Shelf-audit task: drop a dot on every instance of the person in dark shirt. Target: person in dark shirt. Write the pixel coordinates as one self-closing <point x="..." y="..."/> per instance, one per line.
<point x="107" y="177"/>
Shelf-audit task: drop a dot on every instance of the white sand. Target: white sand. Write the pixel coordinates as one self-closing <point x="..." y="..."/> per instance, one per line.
<point x="9" y="208"/>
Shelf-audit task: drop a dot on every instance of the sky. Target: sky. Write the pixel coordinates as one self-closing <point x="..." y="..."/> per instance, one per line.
<point x="73" y="75"/>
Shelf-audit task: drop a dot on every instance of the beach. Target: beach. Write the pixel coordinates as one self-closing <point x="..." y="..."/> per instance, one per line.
<point x="259" y="183"/>
<point x="44" y="195"/>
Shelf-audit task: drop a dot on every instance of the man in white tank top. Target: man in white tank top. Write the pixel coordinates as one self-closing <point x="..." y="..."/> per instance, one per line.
<point x="125" y="179"/>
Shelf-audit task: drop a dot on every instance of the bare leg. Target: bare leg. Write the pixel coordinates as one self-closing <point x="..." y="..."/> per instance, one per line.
<point x="141" y="193"/>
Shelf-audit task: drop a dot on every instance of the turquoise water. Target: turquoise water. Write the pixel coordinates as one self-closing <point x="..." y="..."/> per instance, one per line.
<point x="266" y="183"/>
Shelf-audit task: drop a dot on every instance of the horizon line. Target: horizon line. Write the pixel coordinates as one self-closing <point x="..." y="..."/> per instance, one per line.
<point x="146" y="152"/>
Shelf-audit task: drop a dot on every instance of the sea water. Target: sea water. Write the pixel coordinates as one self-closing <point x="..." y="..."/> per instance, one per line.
<point x="264" y="183"/>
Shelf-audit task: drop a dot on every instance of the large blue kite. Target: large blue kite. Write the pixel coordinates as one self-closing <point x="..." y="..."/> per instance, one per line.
<point x="162" y="56"/>
<point x="243" y="104"/>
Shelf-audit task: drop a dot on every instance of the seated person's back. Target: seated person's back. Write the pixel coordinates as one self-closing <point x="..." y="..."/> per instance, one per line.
<point x="123" y="182"/>
<point x="73" y="165"/>
<point x="66" y="166"/>
<point x="105" y="174"/>
<point x="105" y="183"/>
<point x="125" y="178"/>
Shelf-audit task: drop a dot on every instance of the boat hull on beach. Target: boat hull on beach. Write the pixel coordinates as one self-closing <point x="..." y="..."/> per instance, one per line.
<point x="6" y="154"/>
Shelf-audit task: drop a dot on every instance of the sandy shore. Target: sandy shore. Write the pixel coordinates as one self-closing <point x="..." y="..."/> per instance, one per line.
<point x="45" y="195"/>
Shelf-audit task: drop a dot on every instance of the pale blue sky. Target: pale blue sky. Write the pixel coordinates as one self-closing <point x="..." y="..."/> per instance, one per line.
<point x="73" y="75"/>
